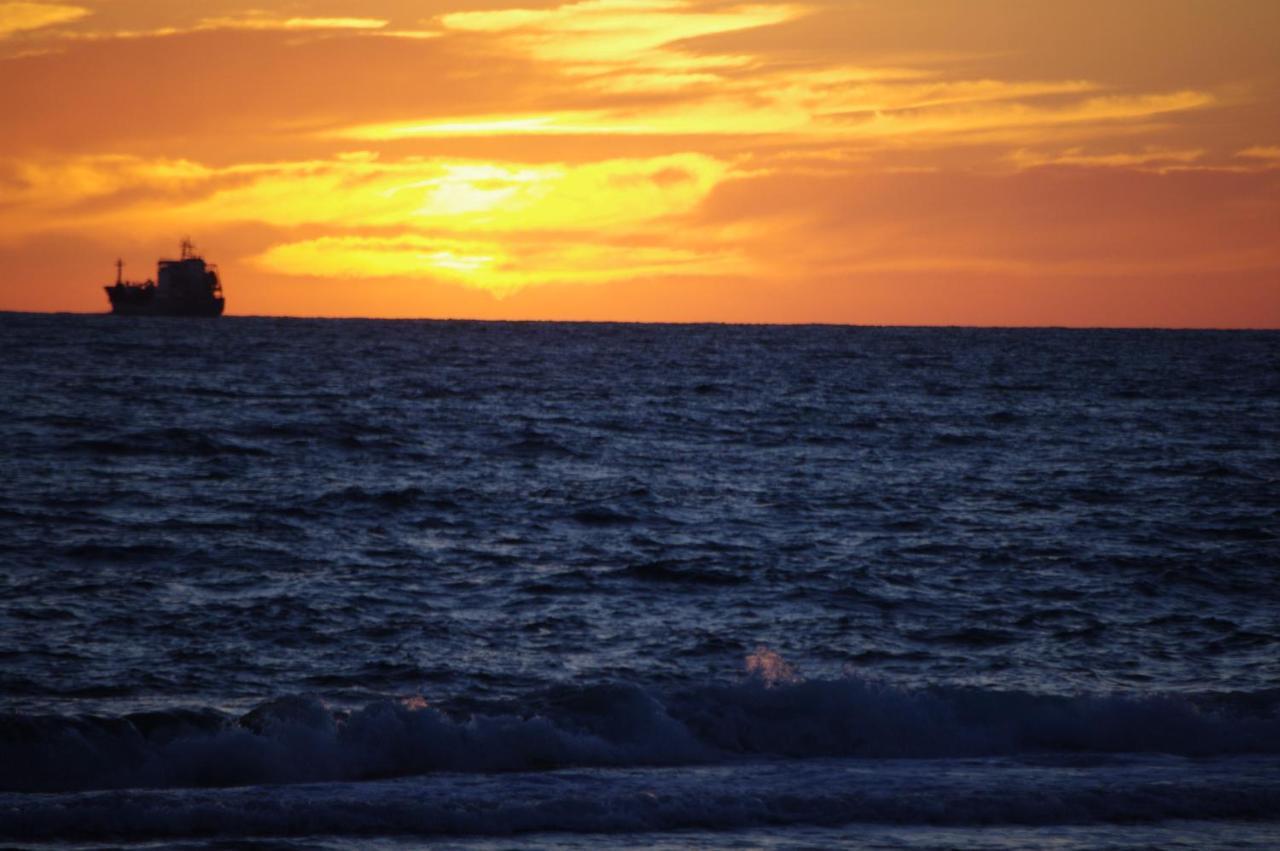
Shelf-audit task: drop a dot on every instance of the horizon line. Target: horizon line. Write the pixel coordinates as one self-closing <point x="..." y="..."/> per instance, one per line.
<point x="669" y="322"/>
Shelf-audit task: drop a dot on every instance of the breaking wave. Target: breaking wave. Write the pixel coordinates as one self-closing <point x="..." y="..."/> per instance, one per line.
<point x="297" y="739"/>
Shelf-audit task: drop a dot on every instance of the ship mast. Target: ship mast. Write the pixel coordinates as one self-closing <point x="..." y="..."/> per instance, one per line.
<point x="119" y="271"/>
<point x="188" y="250"/>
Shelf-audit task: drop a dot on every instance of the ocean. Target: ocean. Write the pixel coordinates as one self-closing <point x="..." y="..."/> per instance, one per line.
<point x="335" y="584"/>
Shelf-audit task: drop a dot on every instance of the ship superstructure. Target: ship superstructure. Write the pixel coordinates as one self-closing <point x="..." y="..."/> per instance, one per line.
<point x="184" y="287"/>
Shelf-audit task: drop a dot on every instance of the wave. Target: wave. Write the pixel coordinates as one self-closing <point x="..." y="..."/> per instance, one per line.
<point x="728" y="797"/>
<point x="602" y="515"/>
<point x="166" y="441"/>
<point x="298" y="739"/>
<point x="387" y="498"/>
<point x="684" y="573"/>
<point x="533" y="444"/>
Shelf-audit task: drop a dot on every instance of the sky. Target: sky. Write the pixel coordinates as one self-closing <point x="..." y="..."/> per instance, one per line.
<point x="904" y="162"/>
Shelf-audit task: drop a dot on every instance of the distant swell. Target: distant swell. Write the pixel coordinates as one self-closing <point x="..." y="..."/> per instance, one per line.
<point x="298" y="739"/>
<point x="639" y="800"/>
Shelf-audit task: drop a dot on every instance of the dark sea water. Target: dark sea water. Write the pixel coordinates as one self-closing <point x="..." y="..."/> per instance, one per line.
<point x="364" y="584"/>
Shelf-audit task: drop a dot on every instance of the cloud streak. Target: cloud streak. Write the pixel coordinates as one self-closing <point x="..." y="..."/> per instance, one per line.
<point x="22" y="17"/>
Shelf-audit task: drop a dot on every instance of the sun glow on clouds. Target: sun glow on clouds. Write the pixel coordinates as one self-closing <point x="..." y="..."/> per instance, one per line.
<point x="500" y="268"/>
<point x="553" y="211"/>
<point x="801" y="149"/>
<point x="461" y="196"/>
<point x="359" y="189"/>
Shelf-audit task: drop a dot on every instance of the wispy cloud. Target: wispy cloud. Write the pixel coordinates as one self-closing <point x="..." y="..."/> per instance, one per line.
<point x="1261" y="152"/>
<point x="262" y="21"/>
<point x="31" y="16"/>
<point x="598" y="36"/>
<point x="19" y="17"/>
<point x="1149" y="158"/>
<point x="883" y="114"/>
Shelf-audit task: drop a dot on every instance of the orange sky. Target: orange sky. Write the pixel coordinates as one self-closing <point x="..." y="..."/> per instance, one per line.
<point x="985" y="162"/>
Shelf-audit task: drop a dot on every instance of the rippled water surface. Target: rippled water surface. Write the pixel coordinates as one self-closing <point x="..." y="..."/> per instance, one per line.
<point x="506" y="585"/>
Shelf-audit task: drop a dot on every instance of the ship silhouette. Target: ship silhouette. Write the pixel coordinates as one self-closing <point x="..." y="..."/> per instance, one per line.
<point x="184" y="287"/>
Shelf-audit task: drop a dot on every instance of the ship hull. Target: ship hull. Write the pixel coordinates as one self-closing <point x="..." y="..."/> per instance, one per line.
<point x="133" y="304"/>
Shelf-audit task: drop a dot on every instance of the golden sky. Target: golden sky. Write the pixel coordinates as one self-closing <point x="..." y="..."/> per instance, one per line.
<point x="971" y="162"/>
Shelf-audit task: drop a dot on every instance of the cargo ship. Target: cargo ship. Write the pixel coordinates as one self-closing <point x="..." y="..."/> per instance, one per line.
<point x="184" y="287"/>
